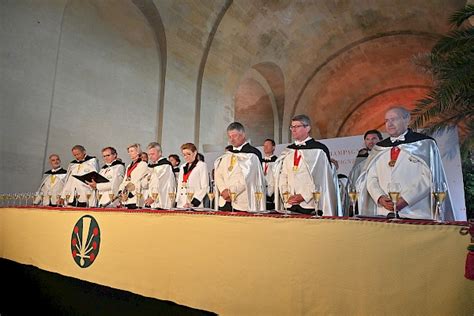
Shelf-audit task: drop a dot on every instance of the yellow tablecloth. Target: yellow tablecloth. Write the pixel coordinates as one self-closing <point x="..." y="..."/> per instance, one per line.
<point x="256" y="265"/>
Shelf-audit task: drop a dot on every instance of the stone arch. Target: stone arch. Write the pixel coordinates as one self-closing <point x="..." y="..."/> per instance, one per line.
<point x="274" y="82"/>
<point x="364" y="68"/>
<point x="150" y="11"/>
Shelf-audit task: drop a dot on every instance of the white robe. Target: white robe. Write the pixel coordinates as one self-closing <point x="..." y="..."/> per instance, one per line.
<point x="115" y="175"/>
<point x="137" y="175"/>
<point x="53" y="185"/>
<point x="245" y="178"/>
<point x="314" y="168"/>
<point x="417" y="167"/>
<point x="198" y="183"/>
<point x="162" y="180"/>
<point x="74" y="186"/>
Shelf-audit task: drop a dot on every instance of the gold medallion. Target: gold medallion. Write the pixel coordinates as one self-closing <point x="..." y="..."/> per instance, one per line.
<point x="295" y="168"/>
<point x="230" y="168"/>
<point x="391" y="163"/>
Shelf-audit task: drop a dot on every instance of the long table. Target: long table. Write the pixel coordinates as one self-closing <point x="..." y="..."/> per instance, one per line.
<point x="253" y="265"/>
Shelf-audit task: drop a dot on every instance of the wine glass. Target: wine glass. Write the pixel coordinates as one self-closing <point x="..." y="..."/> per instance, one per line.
<point x="286" y="196"/>
<point x="258" y="199"/>
<point x="111" y="196"/>
<point x="77" y="196"/>
<point x="67" y="195"/>
<point x="211" y="195"/>
<point x="88" y="197"/>
<point x="58" y="199"/>
<point x="316" y="198"/>
<point x="154" y="195"/>
<point x="189" y="198"/>
<point x="50" y="195"/>
<point x="394" y="189"/>
<point x="172" y="197"/>
<point x="439" y="190"/>
<point x="99" y="197"/>
<point x="233" y="197"/>
<point x="139" y="198"/>
<point x="353" y="197"/>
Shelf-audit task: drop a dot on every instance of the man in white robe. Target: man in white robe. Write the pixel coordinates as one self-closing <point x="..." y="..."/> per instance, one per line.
<point x="76" y="192"/>
<point x="239" y="172"/>
<point x="161" y="180"/>
<point x="303" y="166"/>
<point x="52" y="184"/>
<point x="408" y="158"/>
<point x="113" y="170"/>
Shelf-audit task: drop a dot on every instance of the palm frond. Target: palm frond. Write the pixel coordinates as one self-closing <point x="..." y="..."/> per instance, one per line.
<point x="462" y="15"/>
<point x="454" y="40"/>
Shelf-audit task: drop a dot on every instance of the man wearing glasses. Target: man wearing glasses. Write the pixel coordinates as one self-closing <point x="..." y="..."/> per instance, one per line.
<point x="304" y="168"/>
<point x="113" y="170"/>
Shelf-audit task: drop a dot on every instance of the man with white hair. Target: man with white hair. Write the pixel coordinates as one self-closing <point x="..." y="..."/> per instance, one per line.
<point x="408" y="158"/>
<point x="161" y="180"/>
<point x="52" y="184"/>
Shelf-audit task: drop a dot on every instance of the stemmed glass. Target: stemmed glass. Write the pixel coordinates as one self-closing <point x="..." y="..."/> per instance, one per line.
<point x="77" y="196"/>
<point x="233" y="197"/>
<point x="439" y="194"/>
<point x="258" y="199"/>
<point x="88" y="197"/>
<point x="316" y="199"/>
<point x="111" y="197"/>
<point x="50" y="195"/>
<point x="67" y="195"/>
<point x="154" y="195"/>
<point x="353" y="197"/>
<point x="139" y="199"/>
<point x="99" y="197"/>
<point x="394" y="189"/>
<point x="189" y="198"/>
<point x="211" y="195"/>
<point x="286" y="196"/>
<point x="172" y="197"/>
<point x="58" y="199"/>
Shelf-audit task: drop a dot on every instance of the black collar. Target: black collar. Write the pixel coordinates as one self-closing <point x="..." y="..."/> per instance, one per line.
<point x="410" y="137"/>
<point x="86" y="158"/>
<point x="59" y="171"/>
<point x="114" y="163"/>
<point x="162" y="161"/>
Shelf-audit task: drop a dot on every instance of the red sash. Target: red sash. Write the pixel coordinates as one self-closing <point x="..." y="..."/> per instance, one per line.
<point x="130" y="169"/>
<point x="186" y="175"/>
<point x="265" y="168"/>
<point x="296" y="160"/>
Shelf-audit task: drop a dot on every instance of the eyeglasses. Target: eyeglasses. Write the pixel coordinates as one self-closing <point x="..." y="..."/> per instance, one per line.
<point x="292" y="127"/>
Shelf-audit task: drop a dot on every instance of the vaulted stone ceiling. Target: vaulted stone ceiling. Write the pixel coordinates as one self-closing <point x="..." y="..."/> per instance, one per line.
<point x="342" y="62"/>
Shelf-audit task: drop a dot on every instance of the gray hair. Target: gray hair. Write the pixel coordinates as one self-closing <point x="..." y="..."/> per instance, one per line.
<point x="155" y="145"/>
<point x="79" y="147"/>
<point x="404" y="113"/>
<point x="304" y="119"/>
<point x="236" y="126"/>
